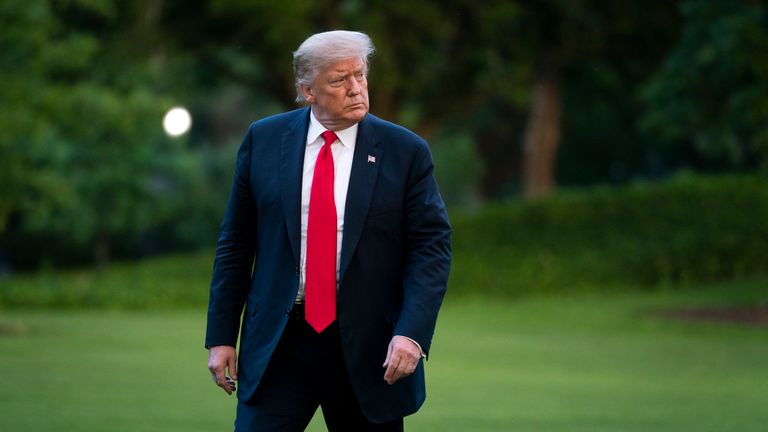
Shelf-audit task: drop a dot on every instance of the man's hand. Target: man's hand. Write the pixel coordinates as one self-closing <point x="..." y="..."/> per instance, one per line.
<point x="223" y="359"/>
<point x="402" y="358"/>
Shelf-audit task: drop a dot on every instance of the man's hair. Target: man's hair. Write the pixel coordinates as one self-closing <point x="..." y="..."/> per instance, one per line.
<point x="321" y="50"/>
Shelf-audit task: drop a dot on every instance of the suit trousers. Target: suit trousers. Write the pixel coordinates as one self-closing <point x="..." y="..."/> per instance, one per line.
<point x="306" y="370"/>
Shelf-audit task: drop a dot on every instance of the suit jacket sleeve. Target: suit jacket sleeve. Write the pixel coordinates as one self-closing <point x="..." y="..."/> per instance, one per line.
<point x="428" y="252"/>
<point x="235" y="253"/>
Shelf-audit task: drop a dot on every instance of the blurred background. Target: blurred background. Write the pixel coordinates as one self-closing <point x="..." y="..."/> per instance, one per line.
<point x="604" y="164"/>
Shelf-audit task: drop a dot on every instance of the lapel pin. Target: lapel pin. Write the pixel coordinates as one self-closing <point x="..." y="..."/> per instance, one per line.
<point x="371" y="159"/>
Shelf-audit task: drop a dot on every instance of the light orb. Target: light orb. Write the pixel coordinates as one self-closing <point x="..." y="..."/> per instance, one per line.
<point x="177" y="121"/>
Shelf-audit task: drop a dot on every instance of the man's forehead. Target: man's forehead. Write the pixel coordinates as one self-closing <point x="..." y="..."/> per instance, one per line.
<point x="346" y="64"/>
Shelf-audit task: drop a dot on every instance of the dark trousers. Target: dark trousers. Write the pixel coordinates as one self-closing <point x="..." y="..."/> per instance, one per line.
<point x="306" y="370"/>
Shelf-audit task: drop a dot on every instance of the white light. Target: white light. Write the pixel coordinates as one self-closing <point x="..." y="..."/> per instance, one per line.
<point x="177" y="121"/>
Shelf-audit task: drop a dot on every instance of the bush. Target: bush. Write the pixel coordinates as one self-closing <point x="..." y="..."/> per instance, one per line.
<point x="684" y="231"/>
<point x="687" y="229"/>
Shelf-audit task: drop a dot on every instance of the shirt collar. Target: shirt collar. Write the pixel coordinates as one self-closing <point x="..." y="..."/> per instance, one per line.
<point x="347" y="136"/>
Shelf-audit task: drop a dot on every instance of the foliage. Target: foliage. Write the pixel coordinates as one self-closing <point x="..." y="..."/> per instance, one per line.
<point x="458" y="168"/>
<point x="711" y="90"/>
<point x="688" y="229"/>
<point x="87" y="175"/>
<point x="87" y="172"/>
<point x="22" y="144"/>
<point x="452" y="65"/>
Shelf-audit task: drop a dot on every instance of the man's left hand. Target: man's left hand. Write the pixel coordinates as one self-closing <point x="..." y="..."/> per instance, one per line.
<point x="403" y="356"/>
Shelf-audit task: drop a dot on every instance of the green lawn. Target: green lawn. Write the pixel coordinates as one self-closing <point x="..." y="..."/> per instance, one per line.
<point x="586" y="363"/>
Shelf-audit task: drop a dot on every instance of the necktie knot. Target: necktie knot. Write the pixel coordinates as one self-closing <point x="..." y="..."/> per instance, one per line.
<point x="329" y="137"/>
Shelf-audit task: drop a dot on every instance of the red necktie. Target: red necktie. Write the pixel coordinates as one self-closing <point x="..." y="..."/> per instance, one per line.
<point x="320" y="287"/>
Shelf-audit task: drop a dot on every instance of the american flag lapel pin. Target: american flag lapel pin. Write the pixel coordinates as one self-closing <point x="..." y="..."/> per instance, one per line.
<point x="371" y="159"/>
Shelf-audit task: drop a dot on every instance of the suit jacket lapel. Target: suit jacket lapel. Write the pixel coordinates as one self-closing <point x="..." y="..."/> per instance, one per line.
<point x="291" y="162"/>
<point x="362" y="180"/>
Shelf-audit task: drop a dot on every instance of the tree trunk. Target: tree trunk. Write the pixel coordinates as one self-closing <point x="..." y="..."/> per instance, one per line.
<point x="542" y="137"/>
<point x="102" y="250"/>
<point x="499" y="144"/>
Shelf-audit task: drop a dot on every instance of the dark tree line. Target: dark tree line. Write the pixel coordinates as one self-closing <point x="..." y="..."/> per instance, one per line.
<point x="516" y="98"/>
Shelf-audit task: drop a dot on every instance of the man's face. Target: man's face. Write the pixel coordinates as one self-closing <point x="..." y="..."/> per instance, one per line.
<point x="339" y="94"/>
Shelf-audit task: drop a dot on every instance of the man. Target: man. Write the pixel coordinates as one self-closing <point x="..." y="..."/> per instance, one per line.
<point x="335" y="250"/>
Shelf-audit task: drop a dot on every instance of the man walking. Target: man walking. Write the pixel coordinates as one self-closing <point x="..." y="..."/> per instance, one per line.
<point x="332" y="260"/>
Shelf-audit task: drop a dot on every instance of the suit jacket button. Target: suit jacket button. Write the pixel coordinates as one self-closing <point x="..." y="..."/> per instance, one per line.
<point x="287" y="312"/>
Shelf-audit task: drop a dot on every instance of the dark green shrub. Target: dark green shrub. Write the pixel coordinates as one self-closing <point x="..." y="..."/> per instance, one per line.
<point x="687" y="229"/>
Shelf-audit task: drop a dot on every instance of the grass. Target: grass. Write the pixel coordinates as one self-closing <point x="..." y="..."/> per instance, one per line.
<point x="584" y="363"/>
<point x="171" y="281"/>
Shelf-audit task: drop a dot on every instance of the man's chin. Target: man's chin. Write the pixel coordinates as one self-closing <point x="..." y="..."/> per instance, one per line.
<point x="357" y="115"/>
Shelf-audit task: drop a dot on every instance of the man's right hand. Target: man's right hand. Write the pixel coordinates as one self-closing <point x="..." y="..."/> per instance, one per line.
<point x="223" y="359"/>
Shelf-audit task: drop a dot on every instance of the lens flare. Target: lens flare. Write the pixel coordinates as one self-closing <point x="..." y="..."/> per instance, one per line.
<point x="177" y="121"/>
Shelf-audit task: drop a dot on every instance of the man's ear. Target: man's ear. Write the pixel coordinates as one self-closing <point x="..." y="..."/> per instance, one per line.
<point x="307" y="92"/>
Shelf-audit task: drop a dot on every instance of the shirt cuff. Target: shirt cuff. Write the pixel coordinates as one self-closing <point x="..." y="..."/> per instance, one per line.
<point x="421" y="351"/>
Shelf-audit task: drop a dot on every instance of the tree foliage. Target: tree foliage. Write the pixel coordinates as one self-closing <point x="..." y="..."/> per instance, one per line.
<point x="711" y="91"/>
<point x="85" y="164"/>
<point x="86" y="172"/>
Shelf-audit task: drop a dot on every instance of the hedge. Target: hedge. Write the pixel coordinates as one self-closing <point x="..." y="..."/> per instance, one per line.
<point x="685" y="230"/>
<point x="688" y="229"/>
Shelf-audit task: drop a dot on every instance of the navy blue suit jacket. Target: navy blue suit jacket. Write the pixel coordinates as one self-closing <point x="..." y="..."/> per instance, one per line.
<point x="395" y="255"/>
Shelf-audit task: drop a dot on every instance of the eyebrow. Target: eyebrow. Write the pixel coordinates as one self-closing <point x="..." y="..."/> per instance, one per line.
<point x="339" y="74"/>
<point x="343" y="73"/>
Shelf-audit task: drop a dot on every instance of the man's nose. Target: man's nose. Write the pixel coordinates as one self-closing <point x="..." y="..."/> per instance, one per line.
<point x="353" y="88"/>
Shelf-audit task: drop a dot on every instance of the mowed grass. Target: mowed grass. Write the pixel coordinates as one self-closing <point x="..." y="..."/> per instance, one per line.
<point x="586" y="363"/>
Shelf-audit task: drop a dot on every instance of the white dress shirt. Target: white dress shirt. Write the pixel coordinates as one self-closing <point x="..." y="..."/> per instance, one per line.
<point x="342" y="149"/>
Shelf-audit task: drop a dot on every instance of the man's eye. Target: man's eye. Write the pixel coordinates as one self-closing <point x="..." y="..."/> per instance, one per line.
<point x="337" y="81"/>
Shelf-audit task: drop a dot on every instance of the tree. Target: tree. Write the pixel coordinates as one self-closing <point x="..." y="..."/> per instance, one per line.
<point x="84" y="163"/>
<point x="500" y="73"/>
<point x="710" y="94"/>
<point x="565" y="39"/>
<point x="26" y="181"/>
<point x="503" y="72"/>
